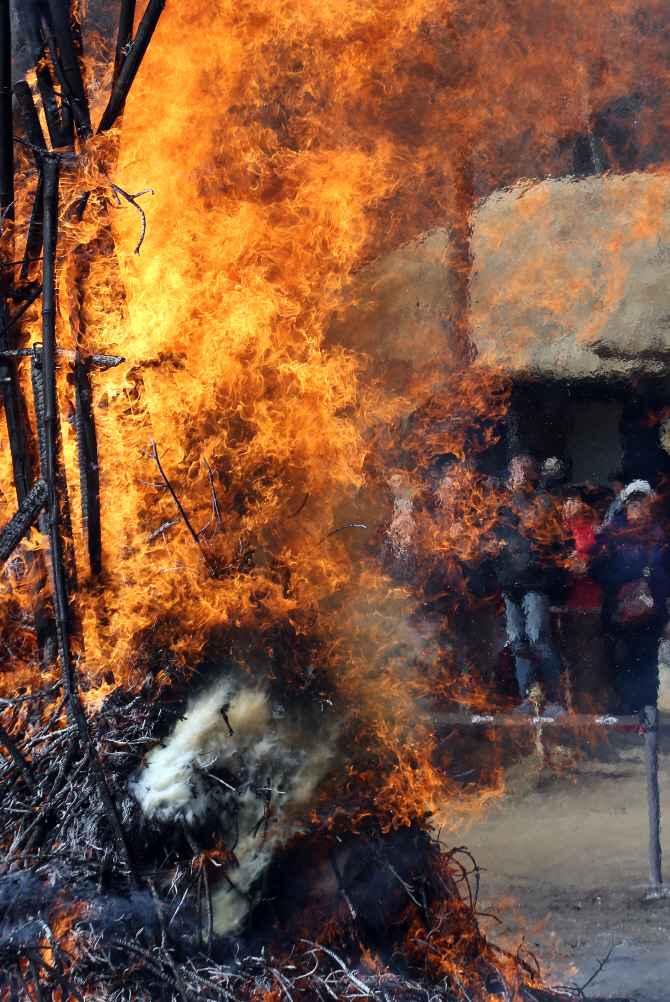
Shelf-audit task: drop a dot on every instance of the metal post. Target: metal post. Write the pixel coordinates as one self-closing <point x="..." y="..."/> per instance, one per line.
<point x="651" y="749"/>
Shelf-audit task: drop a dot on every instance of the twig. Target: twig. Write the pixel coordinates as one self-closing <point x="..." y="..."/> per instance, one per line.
<point x="167" y="483"/>
<point x="601" y="964"/>
<point x="352" y="525"/>
<point x="161" y="530"/>
<point x="215" y="503"/>
<point x="298" y="510"/>
<point x="131" y="198"/>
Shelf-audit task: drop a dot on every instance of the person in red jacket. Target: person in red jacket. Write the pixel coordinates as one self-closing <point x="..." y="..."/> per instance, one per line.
<point x="585" y="647"/>
<point x="581" y="524"/>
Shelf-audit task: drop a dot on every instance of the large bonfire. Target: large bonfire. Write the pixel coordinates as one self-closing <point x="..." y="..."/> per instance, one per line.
<point x="222" y="779"/>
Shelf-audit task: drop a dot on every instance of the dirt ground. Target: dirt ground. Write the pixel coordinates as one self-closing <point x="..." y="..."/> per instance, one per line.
<point x="567" y="867"/>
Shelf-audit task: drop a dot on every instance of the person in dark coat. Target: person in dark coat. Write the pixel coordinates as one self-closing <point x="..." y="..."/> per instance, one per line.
<point x="527" y="572"/>
<point x="631" y="563"/>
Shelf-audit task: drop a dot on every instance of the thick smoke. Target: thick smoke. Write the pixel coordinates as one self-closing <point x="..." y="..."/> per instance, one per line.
<point x="254" y="779"/>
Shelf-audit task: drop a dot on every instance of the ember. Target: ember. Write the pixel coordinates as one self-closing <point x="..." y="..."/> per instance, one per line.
<point x="257" y="532"/>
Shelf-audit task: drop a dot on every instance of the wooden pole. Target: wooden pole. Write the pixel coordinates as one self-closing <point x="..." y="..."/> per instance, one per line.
<point x="651" y="751"/>
<point x="6" y="130"/>
<point x="132" y="63"/>
<point x="68" y="674"/>
<point x="8" y="376"/>
<point x="67" y="55"/>
<point x="31" y="123"/>
<point x="124" y="36"/>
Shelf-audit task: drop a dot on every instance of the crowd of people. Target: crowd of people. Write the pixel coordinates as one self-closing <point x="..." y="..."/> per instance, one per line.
<point x="612" y="572"/>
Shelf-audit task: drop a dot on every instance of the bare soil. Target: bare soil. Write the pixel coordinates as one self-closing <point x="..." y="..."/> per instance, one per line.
<point x="567" y="867"/>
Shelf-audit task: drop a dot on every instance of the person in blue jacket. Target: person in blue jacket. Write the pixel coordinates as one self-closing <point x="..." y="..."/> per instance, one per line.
<point x="631" y="563"/>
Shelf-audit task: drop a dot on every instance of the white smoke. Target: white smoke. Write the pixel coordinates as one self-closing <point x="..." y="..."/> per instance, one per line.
<point x="266" y="759"/>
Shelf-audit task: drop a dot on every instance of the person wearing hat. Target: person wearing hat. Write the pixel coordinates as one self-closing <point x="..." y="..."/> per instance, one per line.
<point x="631" y="563"/>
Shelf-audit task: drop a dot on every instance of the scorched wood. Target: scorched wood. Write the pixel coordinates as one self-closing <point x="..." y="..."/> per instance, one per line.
<point x="75" y="710"/>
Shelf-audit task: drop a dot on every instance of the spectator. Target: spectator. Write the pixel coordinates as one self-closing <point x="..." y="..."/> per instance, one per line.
<point x="585" y="648"/>
<point x="527" y="571"/>
<point x="580" y="523"/>
<point x="631" y="564"/>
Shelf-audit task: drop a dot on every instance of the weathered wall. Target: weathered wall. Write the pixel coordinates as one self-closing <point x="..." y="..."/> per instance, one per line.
<point x="400" y="307"/>
<point x="570" y="279"/>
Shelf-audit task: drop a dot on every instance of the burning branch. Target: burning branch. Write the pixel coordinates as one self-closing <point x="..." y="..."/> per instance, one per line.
<point x="131" y="198"/>
<point x="182" y="514"/>
<point x="215" y="504"/>
<point x="21" y="522"/>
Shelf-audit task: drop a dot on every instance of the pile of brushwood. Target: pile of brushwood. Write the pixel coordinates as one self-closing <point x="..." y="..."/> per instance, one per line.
<point x="87" y="916"/>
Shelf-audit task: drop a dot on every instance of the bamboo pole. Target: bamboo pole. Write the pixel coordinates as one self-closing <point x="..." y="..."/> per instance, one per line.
<point x="124" y="36"/>
<point x="132" y="63"/>
<point x="68" y="675"/>
<point x="6" y="140"/>
<point x="67" y="55"/>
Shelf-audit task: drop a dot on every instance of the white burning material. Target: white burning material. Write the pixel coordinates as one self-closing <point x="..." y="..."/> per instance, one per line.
<point x="271" y="770"/>
<point x="402" y="527"/>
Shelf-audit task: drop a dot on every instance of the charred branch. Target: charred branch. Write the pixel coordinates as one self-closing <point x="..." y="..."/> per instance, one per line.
<point x="35" y="294"/>
<point x="34" y="238"/>
<point x="15" y="428"/>
<point x="31" y="122"/>
<point x="18" y="760"/>
<point x="182" y="514"/>
<point x="28" y="112"/>
<point x="31" y="25"/>
<point x="99" y="361"/>
<point x="24" y="518"/>
<point x="131" y="64"/>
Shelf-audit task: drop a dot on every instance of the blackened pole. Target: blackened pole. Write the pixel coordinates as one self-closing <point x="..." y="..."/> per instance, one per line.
<point x="51" y="172"/>
<point x="651" y="753"/>
<point x="131" y="64"/>
<point x="8" y="377"/>
<point x="6" y="131"/>
<point x="75" y="712"/>
<point x="69" y="63"/>
<point x="124" y="36"/>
